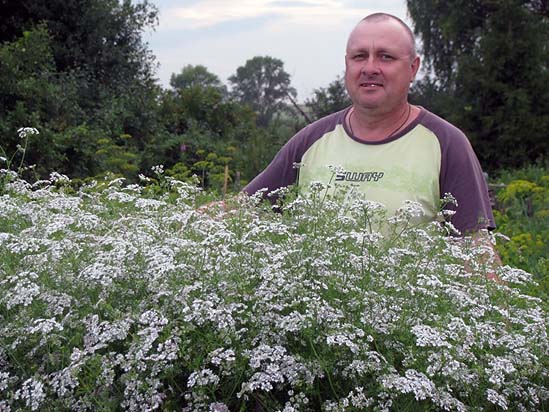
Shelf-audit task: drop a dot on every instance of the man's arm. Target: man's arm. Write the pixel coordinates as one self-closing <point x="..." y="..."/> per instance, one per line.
<point x="490" y="258"/>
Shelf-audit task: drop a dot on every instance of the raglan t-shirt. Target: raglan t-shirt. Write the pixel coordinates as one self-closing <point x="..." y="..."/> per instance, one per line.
<point x="422" y="163"/>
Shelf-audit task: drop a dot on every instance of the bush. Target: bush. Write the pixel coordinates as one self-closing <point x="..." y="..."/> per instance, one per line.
<point x="522" y="214"/>
<point x="110" y="300"/>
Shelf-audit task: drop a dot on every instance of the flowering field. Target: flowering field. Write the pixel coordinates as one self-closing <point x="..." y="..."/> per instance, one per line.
<point x="112" y="299"/>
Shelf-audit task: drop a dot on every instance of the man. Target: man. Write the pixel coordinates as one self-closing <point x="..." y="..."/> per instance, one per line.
<point x="392" y="150"/>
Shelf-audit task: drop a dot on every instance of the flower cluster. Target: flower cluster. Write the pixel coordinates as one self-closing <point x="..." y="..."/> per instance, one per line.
<point x="112" y="300"/>
<point x="25" y="132"/>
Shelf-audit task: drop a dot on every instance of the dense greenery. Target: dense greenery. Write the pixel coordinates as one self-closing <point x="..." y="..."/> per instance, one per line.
<point x="80" y="73"/>
<point x="326" y="100"/>
<point x="522" y="215"/>
<point x="196" y="76"/>
<point x="487" y="63"/>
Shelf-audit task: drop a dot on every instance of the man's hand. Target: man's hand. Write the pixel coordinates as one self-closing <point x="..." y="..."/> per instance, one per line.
<point x="482" y="239"/>
<point x="214" y="206"/>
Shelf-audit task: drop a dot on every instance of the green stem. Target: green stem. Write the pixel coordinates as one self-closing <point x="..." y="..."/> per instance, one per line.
<point x="23" y="156"/>
<point x="334" y="392"/>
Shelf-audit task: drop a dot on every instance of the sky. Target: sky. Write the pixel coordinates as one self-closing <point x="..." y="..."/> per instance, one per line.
<point x="309" y="36"/>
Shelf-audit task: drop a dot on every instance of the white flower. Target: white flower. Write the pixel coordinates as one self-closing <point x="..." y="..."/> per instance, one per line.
<point x="413" y="382"/>
<point x="4" y="381"/>
<point x="45" y="326"/>
<point x="336" y="169"/>
<point x="514" y="275"/>
<point x="497" y="399"/>
<point x="64" y="381"/>
<point x="428" y="336"/>
<point x="32" y="392"/>
<point x="26" y="131"/>
<point x="498" y="369"/>
<point x="218" y="407"/>
<point x="221" y="355"/>
<point x="158" y="169"/>
<point x="22" y="294"/>
<point x="343" y="339"/>
<point x="410" y="209"/>
<point x="448" y="198"/>
<point x="204" y="377"/>
<point x="317" y="186"/>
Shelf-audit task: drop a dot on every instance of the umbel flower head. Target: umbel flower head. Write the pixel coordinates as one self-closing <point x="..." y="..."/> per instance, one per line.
<point x="25" y="132"/>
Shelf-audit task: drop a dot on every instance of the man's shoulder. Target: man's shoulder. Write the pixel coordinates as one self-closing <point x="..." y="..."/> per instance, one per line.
<point x="439" y="125"/>
<point x="450" y="137"/>
<point x="322" y="126"/>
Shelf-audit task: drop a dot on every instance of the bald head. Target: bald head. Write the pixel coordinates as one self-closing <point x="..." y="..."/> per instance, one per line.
<point x="378" y="17"/>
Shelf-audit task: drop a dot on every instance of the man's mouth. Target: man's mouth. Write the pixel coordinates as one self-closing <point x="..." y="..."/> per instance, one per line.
<point x="370" y="84"/>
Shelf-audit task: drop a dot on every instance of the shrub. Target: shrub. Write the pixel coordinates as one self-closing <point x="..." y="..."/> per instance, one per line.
<point x="521" y="214"/>
<point x="110" y="300"/>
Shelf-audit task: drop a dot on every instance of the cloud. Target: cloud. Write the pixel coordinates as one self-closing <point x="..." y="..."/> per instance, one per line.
<point x="209" y="13"/>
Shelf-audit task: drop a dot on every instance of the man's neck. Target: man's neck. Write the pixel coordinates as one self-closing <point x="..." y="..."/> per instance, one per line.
<point x="371" y="125"/>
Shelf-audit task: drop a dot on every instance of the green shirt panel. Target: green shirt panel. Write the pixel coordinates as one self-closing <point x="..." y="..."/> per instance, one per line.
<point x="407" y="168"/>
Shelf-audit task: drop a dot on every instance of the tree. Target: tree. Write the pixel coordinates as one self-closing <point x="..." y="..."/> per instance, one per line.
<point x="263" y="84"/>
<point x="101" y="38"/>
<point x="33" y="94"/>
<point x="80" y="73"/>
<point x="196" y="76"/>
<point x="329" y="99"/>
<point x="491" y="57"/>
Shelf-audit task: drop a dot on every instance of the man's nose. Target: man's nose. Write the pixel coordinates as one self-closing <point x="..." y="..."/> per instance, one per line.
<point x="370" y="65"/>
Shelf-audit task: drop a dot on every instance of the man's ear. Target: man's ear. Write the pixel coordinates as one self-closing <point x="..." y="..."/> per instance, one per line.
<point x="415" y="67"/>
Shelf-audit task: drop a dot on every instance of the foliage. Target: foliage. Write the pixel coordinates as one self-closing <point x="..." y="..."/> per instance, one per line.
<point x="81" y="75"/>
<point x="491" y="58"/>
<point x="99" y="38"/>
<point x="264" y="85"/>
<point x="33" y="93"/>
<point x="196" y="76"/>
<point x="327" y="100"/>
<point x="114" y="298"/>
<point x="522" y="214"/>
<point x="13" y="167"/>
<point x="201" y="120"/>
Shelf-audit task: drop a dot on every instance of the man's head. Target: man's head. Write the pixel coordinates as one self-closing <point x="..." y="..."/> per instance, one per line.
<point x="380" y="62"/>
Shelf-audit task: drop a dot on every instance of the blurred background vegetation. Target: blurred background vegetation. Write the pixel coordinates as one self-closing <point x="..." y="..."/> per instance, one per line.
<point x="80" y="72"/>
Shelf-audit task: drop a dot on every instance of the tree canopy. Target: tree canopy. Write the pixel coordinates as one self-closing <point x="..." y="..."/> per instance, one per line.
<point x="80" y="72"/>
<point x="491" y="59"/>
<point x="326" y="100"/>
<point x="196" y="76"/>
<point x="263" y="84"/>
<point x="99" y="37"/>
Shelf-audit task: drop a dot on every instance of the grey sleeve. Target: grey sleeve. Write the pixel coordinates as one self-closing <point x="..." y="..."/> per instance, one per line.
<point x="462" y="176"/>
<point x="280" y="172"/>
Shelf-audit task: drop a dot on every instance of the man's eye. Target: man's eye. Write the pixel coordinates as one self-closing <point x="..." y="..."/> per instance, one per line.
<point x="360" y="56"/>
<point x="386" y="57"/>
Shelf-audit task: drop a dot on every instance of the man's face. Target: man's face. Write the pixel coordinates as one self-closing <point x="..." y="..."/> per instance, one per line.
<point x="379" y="65"/>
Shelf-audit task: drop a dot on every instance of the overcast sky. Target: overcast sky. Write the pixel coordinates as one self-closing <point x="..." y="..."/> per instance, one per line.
<point x="309" y="36"/>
